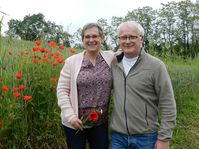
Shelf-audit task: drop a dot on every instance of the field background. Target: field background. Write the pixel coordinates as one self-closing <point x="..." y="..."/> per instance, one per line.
<point x="29" y="115"/>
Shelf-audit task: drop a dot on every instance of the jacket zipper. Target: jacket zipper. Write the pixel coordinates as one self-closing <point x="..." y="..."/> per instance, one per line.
<point x="146" y="115"/>
<point x="125" y="113"/>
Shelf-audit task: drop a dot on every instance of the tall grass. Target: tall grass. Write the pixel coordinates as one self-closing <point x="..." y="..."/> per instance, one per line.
<point x="35" y="123"/>
<point x="185" y="80"/>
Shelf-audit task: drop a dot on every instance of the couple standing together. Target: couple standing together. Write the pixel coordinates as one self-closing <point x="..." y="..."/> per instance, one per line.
<point x="144" y="108"/>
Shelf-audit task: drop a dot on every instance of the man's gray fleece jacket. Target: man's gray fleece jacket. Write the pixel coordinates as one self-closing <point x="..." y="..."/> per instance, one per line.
<point x="143" y="98"/>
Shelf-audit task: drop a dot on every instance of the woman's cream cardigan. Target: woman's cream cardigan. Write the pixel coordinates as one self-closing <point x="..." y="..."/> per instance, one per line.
<point x="67" y="85"/>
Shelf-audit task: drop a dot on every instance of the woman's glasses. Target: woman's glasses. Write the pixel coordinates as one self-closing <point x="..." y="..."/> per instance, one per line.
<point x="87" y="37"/>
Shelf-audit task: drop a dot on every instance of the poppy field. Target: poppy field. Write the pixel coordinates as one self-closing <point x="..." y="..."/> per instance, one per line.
<point x="28" y="105"/>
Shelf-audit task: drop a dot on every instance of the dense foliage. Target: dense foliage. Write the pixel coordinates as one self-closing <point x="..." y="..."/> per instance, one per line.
<point x="34" y="27"/>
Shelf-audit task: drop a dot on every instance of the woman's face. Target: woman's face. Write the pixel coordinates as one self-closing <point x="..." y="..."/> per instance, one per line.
<point x="92" y="40"/>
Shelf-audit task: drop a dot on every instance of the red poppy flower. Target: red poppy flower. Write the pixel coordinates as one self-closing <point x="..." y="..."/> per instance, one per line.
<point x="17" y="94"/>
<point x="38" y="42"/>
<point x="53" y="63"/>
<point x="72" y="51"/>
<point x="23" y="52"/>
<point x="52" y="44"/>
<point x="61" y="47"/>
<point x="21" y="86"/>
<point x="35" y="60"/>
<point x="53" y="80"/>
<point x="18" y="76"/>
<point x="1" y="122"/>
<point x="42" y="50"/>
<point x="94" y="116"/>
<point x="15" y="89"/>
<point x="60" y="60"/>
<point x="35" y="49"/>
<point x="44" y="59"/>
<point x="27" y="97"/>
<point x="56" y="54"/>
<point x="5" y="88"/>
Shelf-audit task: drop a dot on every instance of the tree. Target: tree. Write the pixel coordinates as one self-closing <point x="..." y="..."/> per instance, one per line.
<point x="54" y="32"/>
<point x="167" y="15"/>
<point x="34" y="27"/>
<point x="115" y="21"/>
<point x="187" y="23"/>
<point x="107" y="30"/>
<point x="77" y="39"/>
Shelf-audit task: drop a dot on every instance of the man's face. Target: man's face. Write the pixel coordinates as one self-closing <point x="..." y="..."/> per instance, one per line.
<point x="130" y="41"/>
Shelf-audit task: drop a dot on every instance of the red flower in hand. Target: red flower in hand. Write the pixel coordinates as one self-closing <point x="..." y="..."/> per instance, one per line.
<point x="94" y="116"/>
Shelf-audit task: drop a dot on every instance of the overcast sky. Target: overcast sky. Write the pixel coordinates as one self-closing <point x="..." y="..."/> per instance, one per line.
<point x="73" y="14"/>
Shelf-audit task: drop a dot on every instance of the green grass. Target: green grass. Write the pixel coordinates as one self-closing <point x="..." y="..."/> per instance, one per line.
<point x="185" y="80"/>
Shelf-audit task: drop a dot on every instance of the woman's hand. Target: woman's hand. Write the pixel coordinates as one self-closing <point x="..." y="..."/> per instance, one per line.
<point x="77" y="123"/>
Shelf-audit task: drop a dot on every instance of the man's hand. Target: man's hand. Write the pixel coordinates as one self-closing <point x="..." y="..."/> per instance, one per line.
<point x="161" y="144"/>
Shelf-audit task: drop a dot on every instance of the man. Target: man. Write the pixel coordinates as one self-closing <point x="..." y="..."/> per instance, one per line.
<point x="143" y="95"/>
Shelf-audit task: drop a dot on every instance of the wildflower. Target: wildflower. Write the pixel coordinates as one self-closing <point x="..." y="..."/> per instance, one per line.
<point x="53" y="63"/>
<point x="44" y="59"/>
<point x="53" y="80"/>
<point x="60" y="60"/>
<point x="15" y="89"/>
<point x="56" y="54"/>
<point x="23" y="52"/>
<point x="35" y="49"/>
<point x="52" y="44"/>
<point x="1" y="122"/>
<point x="61" y="47"/>
<point x="27" y="97"/>
<point x="18" y="76"/>
<point x="21" y="86"/>
<point x="35" y="60"/>
<point x="72" y="51"/>
<point x="92" y="117"/>
<point x="17" y="94"/>
<point x="38" y="42"/>
<point x="42" y="50"/>
<point x="5" y="88"/>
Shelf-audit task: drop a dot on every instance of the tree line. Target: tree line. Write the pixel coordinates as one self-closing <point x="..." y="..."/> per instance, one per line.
<point x="173" y="29"/>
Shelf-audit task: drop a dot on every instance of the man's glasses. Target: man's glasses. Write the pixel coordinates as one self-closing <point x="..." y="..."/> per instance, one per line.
<point x="87" y="37"/>
<point x="130" y="37"/>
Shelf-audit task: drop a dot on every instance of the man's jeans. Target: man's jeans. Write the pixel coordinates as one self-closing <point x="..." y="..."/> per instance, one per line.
<point x="142" y="141"/>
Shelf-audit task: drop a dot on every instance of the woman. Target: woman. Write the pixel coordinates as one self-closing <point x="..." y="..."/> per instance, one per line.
<point x="83" y="92"/>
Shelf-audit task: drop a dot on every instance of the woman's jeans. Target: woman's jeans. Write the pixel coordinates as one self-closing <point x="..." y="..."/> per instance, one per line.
<point x="142" y="141"/>
<point x="97" y="137"/>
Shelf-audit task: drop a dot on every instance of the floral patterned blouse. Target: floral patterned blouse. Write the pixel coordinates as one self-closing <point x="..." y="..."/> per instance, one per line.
<point x="94" y="84"/>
